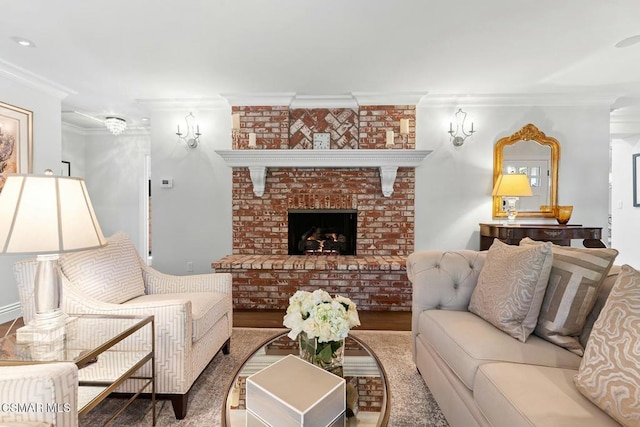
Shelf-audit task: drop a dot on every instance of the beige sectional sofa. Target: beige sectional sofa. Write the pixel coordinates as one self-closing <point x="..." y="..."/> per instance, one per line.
<point x="478" y="374"/>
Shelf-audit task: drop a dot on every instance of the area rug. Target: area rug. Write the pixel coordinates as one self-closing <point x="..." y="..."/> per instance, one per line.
<point x="411" y="401"/>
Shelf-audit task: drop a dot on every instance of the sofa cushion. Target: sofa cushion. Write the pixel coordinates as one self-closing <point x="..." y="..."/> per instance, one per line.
<point x="513" y="395"/>
<point x="206" y="307"/>
<point x="465" y="341"/>
<point x="609" y="374"/>
<point x="110" y="274"/>
<point x="511" y="287"/>
<point x="574" y="281"/>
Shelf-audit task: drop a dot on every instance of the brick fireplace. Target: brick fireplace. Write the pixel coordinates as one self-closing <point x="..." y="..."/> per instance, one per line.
<point x="265" y="275"/>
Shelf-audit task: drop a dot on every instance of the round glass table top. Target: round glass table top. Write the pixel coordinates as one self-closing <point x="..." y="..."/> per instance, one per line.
<point x="366" y="382"/>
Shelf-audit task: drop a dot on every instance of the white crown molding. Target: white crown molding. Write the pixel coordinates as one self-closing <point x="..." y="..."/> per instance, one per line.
<point x="625" y="122"/>
<point x="387" y="161"/>
<point x="75" y="129"/>
<point x="388" y="98"/>
<point x="79" y="130"/>
<point x="259" y="99"/>
<point x="28" y="78"/>
<point x="516" y="100"/>
<point x="343" y="100"/>
<point x="172" y="104"/>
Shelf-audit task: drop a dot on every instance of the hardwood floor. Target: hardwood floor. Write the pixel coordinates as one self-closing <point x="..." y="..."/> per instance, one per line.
<point x="371" y="320"/>
<point x="4" y="327"/>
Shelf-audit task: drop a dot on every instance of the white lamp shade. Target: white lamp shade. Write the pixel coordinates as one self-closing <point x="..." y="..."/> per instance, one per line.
<point x="512" y="185"/>
<point x="47" y="214"/>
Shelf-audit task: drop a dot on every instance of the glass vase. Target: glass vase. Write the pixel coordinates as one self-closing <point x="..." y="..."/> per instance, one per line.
<point x="563" y="214"/>
<point x="326" y="355"/>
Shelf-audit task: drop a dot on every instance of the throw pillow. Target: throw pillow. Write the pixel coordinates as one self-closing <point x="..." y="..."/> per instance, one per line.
<point x="511" y="287"/>
<point x="110" y="274"/>
<point x="609" y="374"/>
<point x="574" y="282"/>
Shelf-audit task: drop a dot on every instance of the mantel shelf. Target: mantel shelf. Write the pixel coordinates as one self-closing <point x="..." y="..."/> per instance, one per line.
<point x="388" y="161"/>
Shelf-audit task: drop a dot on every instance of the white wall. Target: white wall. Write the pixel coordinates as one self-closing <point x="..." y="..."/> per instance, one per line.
<point x="453" y="186"/>
<point x="116" y="183"/>
<point x="74" y="142"/>
<point x="625" y="218"/>
<point x="191" y="222"/>
<point x="46" y="149"/>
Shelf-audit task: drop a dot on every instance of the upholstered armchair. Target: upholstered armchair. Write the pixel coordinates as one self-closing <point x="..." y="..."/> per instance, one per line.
<point x="193" y="314"/>
<point x="39" y="395"/>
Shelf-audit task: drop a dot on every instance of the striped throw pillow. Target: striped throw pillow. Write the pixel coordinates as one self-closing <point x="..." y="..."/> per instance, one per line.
<point x="574" y="282"/>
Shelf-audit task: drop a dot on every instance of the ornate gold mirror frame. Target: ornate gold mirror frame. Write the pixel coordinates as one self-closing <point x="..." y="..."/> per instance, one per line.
<point x="528" y="133"/>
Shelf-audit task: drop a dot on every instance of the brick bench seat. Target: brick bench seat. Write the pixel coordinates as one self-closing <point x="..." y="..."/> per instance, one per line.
<point x="376" y="283"/>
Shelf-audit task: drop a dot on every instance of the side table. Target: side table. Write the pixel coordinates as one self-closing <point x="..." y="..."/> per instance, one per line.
<point x="108" y="350"/>
<point x="559" y="234"/>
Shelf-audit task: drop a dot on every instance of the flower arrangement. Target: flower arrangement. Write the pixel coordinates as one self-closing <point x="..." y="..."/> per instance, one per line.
<point x="320" y="316"/>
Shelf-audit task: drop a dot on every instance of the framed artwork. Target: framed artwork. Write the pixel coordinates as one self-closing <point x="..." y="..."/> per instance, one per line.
<point x="16" y="141"/>
<point x="66" y="168"/>
<point x="636" y="180"/>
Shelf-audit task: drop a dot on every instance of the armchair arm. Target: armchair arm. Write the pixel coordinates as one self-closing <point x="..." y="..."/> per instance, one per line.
<point x="173" y="333"/>
<point x="161" y="283"/>
<point x="443" y="280"/>
<point x="40" y="393"/>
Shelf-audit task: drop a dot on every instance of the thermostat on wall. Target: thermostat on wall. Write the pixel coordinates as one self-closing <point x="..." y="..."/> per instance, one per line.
<point x="166" y="183"/>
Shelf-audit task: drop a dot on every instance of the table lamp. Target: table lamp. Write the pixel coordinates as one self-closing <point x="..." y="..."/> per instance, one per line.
<point x="511" y="187"/>
<point x="47" y="215"/>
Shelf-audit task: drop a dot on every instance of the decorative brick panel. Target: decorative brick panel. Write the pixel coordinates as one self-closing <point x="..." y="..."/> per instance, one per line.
<point x="340" y="123"/>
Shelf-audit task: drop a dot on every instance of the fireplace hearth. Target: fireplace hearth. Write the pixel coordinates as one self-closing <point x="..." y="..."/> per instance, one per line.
<point x="322" y="232"/>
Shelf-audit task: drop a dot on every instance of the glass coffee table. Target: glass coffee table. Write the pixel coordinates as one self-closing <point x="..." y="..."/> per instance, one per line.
<point x="367" y="384"/>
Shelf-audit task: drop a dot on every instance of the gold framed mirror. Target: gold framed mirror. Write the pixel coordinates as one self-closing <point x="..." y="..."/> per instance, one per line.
<point x="532" y="152"/>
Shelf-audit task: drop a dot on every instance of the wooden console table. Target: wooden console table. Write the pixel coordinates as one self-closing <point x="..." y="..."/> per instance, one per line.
<point x="558" y="234"/>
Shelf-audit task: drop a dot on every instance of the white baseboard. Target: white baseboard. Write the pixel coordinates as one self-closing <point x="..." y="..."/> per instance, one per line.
<point x="10" y="312"/>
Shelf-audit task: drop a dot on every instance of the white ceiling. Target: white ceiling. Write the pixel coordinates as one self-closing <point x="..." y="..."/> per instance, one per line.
<point x="111" y="54"/>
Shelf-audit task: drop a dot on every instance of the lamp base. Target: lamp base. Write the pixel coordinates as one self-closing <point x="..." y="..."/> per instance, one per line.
<point x="511" y="210"/>
<point x="45" y="340"/>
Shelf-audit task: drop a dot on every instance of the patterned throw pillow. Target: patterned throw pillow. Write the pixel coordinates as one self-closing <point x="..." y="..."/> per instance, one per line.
<point x="110" y="274"/>
<point x="511" y="287"/>
<point x="609" y="373"/>
<point x="574" y="282"/>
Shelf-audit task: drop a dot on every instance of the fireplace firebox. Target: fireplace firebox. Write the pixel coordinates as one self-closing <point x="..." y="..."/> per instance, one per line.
<point x="322" y="232"/>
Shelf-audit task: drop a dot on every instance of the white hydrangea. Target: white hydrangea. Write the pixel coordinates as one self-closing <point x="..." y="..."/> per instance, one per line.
<point x="319" y="315"/>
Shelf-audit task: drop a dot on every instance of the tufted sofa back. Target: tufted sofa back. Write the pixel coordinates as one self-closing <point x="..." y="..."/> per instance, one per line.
<point x="443" y="280"/>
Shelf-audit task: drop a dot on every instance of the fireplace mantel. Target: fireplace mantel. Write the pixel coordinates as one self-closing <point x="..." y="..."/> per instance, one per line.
<point x="388" y="162"/>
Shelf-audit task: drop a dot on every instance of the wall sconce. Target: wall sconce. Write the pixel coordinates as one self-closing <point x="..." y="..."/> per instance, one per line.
<point x="235" y="127"/>
<point x="459" y="135"/>
<point x="190" y="138"/>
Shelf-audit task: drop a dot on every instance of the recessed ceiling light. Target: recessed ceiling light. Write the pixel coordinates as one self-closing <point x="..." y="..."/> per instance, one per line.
<point x="23" y="42"/>
<point x="145" y="119"/>
<point x="629" y="41"/>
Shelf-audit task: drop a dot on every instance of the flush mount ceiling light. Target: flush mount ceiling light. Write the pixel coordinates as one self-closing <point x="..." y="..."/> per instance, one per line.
<point x="115" y="124"/>
<point x="23" y="42"/>
<point x="629" y="41"/>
